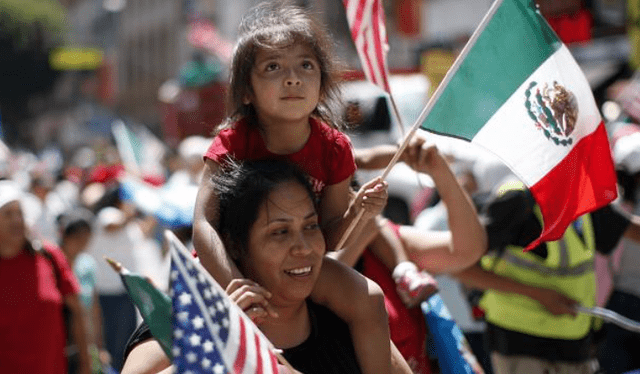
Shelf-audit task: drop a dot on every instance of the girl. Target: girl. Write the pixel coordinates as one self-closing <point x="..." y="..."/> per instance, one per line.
<point x="75" y="228"/>
<point x="282" y="81"/>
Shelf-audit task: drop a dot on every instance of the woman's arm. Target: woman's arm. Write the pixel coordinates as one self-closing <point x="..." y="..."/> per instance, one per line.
<point x="466" y="240"/>
<point x="206" y="240"/>
<point x="147" y="358"/>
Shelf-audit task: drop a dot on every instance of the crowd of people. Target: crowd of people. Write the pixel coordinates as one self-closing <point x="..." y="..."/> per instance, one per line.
<point x="280" y="222"/>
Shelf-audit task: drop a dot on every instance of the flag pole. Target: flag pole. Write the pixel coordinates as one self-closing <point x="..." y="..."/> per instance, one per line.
<point x="396" y="111"/>
<point x="430" y="104"/>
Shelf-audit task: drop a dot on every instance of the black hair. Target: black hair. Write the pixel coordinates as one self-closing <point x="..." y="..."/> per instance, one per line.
<point x="242" y="188"/>
<point x="74" y="221"/>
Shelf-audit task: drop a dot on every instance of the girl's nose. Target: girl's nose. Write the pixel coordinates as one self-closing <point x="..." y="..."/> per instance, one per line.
<point x="292" y="79"/>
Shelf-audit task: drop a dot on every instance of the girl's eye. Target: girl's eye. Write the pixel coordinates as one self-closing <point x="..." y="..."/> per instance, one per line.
<point x="308" y="65"/>
<point x="271" y="67"/>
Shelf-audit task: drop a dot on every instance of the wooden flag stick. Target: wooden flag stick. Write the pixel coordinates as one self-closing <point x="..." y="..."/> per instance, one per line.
<point x="114" y="264"/>
<point x="396" y="111"/>
<point x="427" y="109"/>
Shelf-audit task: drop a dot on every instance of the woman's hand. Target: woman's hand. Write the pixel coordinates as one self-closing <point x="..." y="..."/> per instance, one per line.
<point x="422" y="157"/>
<point x="252" y="298"/>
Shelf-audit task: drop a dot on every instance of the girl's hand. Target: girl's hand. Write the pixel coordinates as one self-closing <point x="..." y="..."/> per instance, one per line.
<point x="372" y="197"/>
<point x="252" y="298"/>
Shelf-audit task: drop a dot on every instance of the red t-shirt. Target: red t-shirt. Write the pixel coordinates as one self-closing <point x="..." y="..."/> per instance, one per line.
<point x="32" y="329"/>
<point x="327" y="157"/>
<point x="407" y="327"/>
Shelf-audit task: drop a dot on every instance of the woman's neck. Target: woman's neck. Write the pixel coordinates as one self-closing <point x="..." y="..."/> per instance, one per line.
<point x="291" y="328"/>
<point x="286" y="138"/>
<point x="10" y="251"/>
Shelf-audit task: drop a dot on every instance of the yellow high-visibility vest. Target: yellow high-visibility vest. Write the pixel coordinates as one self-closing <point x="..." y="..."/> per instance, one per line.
<point x="568" y="269"/>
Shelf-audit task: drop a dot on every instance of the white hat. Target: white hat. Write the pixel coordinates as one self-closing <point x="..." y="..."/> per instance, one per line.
<point x="110" y="216"/>
<point x="626" y="150"/>
<point x="9" y="192"/>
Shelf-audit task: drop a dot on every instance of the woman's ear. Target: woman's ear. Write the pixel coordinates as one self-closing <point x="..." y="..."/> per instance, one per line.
<point x="246" y="99"/>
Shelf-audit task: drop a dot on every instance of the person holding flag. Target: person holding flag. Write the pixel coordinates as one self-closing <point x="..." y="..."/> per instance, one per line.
<point x="282" y="88"/>
<point x="269" y="225"/>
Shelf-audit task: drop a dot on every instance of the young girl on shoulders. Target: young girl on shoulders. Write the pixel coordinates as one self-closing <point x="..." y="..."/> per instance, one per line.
<point x="283" y="80"/>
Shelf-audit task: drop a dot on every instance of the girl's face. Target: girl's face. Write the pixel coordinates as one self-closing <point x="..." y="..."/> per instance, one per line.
<point x="76" y="243"/>
<point x="286" y="245"/>
<point x="285" y="84"/>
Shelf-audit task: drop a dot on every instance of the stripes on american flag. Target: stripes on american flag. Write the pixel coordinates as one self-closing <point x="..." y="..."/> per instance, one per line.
<point x="367" y="24"/>
<point x="211" y="334"/>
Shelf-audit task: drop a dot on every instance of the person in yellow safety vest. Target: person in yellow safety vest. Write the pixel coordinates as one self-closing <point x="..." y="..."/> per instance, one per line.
<point x="529" y="298"/>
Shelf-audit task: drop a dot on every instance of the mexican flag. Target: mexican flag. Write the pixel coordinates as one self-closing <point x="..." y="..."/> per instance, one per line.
<point x="516" y="90"/>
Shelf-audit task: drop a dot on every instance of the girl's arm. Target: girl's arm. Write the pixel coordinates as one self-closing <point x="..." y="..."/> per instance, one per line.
<point x="79" y="331"/>
<point x="360" y="303"/>
<point x="206" y="240"/>
<point x="96" y="324"/>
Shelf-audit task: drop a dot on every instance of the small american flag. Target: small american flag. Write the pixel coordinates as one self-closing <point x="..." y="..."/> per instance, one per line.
<point x="211" y="334"/>
<point x="367" y="24"/>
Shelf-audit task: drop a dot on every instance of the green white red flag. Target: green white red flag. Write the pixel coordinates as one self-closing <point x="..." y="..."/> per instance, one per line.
<point x="517" y="91"/>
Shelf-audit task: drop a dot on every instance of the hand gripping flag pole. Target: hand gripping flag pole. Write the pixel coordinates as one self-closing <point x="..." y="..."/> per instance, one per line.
<point x="427" y="109"/>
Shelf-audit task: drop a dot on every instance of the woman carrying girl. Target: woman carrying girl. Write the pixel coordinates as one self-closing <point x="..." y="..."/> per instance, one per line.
<point x="282" y="83"/>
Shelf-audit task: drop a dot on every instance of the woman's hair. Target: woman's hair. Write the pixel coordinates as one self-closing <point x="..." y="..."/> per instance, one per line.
<point x="279" y="25"/>
<point x="242" y="189"/>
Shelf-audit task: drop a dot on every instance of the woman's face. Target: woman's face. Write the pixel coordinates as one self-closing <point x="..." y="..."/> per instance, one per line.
<point x="286" y="245"/>
<point x="12" y="227"/>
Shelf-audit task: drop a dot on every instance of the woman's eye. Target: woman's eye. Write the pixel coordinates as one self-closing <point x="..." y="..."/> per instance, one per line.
<point x="271" y="67"/>
<point x="279" y="232"/>
<point x="308" y="65"/>
<point x="313" y="226"/>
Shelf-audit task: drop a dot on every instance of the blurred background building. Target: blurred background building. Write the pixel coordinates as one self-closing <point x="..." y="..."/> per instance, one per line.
<point x="162" y="63"/>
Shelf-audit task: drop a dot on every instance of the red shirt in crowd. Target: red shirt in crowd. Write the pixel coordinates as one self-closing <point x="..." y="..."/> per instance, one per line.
<point x="32" y="328"/>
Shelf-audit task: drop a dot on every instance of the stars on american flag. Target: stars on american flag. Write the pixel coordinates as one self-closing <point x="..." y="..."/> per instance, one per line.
<point x="210" y="333"/>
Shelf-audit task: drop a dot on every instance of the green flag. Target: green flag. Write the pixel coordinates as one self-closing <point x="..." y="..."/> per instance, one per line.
<point x="153" y="304"/>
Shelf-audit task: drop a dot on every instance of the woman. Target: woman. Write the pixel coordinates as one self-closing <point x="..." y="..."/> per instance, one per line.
<point x="36" y="284"/>
<point x="269" y="225"/>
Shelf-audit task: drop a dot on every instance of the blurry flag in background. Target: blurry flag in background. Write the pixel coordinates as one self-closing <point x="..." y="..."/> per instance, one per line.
<point x="368" y="31"/>
<point x="141" y="151"/>
<point x="210" y="332"/>
<point x="517" y="91"/>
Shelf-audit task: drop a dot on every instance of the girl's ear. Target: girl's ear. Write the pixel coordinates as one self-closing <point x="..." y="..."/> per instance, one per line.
<point x="246" y="99"/>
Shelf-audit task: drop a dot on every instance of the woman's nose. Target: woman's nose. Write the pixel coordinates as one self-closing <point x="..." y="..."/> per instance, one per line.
<point x="301" y="245"/>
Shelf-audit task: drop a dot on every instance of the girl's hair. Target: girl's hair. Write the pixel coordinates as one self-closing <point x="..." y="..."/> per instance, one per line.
<point x="74" y="221"/>
<point x="242" y="189"/>
<point x="279" y="25"/>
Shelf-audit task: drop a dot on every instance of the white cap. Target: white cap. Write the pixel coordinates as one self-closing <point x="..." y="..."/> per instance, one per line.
<point x="9" y="192"/>
<point x="626" y="152"/>
<point x="110" y="216"/>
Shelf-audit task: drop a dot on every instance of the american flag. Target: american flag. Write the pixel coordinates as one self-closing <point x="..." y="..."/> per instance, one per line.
<point x="211" y="334"/>
<point x="367" y="25"/>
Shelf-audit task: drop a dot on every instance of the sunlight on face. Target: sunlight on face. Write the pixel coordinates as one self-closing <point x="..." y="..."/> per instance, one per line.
<point x="286" y="245"/>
